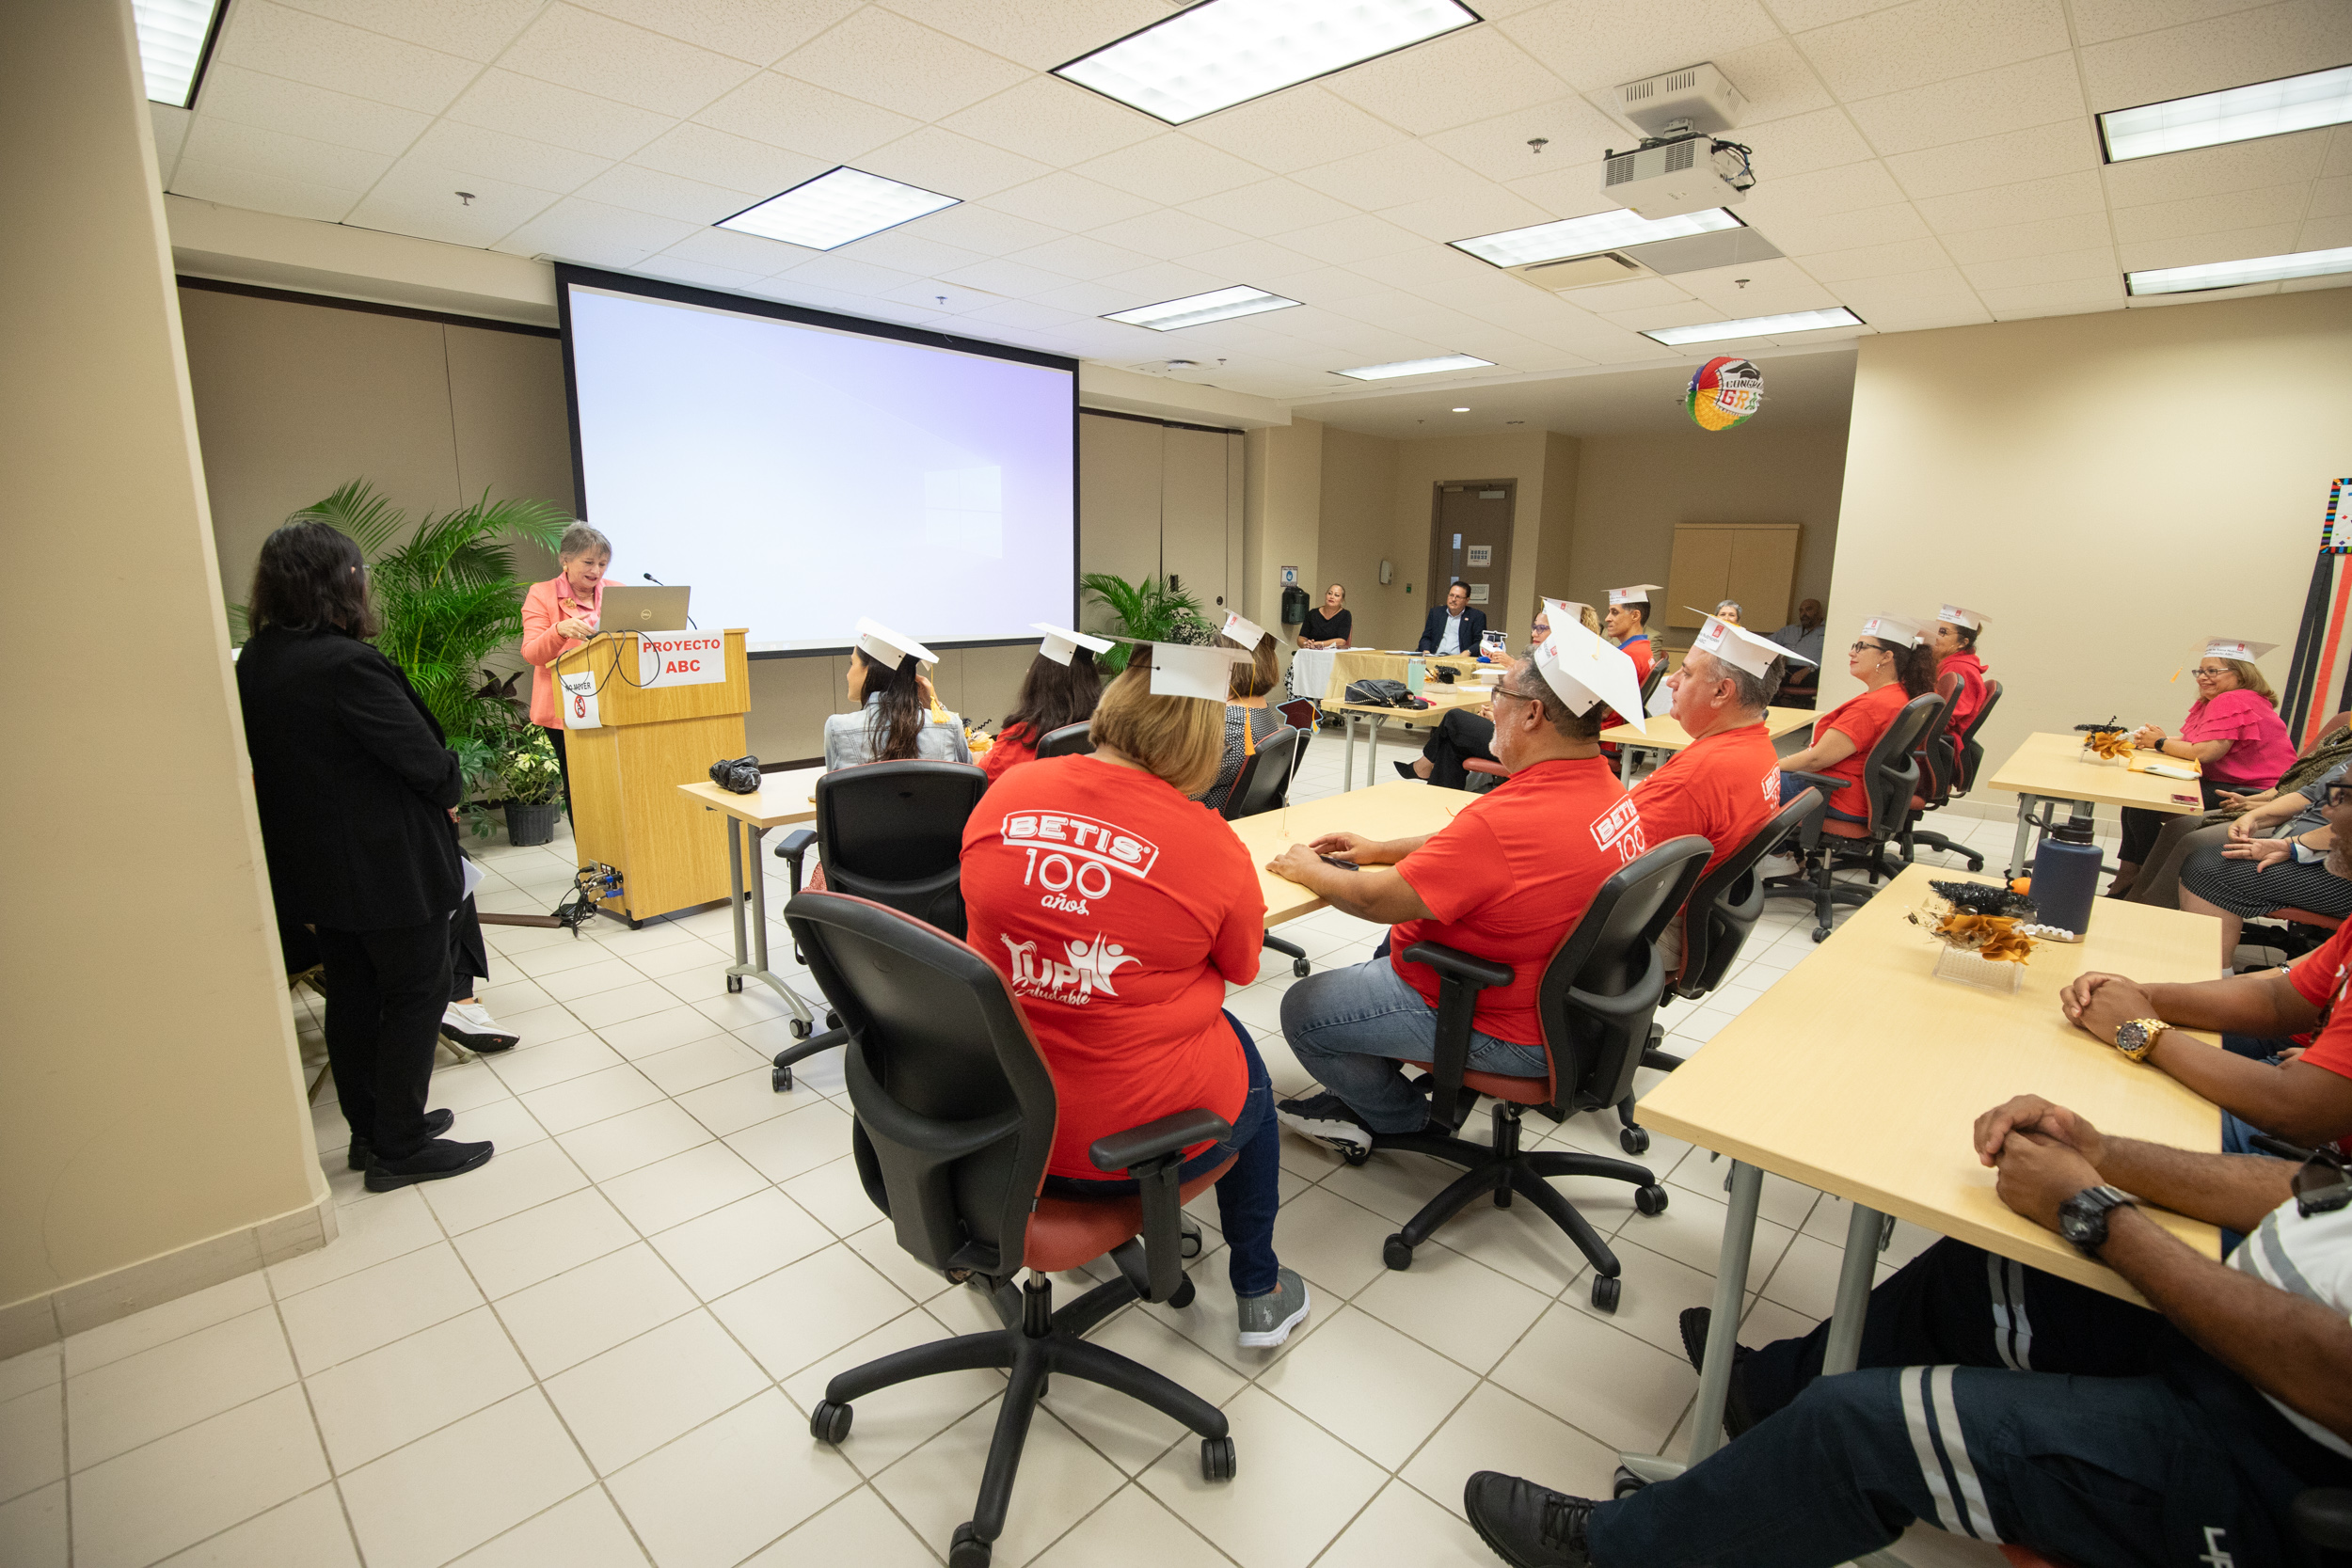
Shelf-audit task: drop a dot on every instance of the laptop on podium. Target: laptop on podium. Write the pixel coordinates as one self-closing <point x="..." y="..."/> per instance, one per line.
<point x="642" y="609"/>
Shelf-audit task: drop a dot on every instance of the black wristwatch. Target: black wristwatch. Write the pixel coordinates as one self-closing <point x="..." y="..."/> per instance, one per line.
<point x="2083" y="1218"/>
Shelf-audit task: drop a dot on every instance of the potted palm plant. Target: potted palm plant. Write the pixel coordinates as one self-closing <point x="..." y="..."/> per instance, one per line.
<point x="1148" y="610"/>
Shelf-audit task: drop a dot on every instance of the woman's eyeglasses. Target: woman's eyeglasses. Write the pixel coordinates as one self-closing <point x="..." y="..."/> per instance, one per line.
<point x="2211" y="675"/>
<point x="2335" y="795"/>
<point x="1867" y="646"/>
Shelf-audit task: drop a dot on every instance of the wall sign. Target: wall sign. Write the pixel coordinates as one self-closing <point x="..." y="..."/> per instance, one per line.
<point x="1482" y="555"/>
<point x="1478" y="593"/>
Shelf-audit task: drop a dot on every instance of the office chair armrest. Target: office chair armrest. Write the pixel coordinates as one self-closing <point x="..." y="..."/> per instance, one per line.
<point x="1153" y="1154"/>
<point x="1460" y="977"/>
<point x="2323" y="1516"/>
<point x="1821" y="782"/>
<point x="791" y="849"/>
<point x="1451" y="963"/>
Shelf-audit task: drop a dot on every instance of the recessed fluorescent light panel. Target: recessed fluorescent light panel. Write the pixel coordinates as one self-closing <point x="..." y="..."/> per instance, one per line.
<point x="175" y="38"/>
<point x="1610" y="231"/>
<point x="836" y="207"/>
<point x="1756" y="327"/>
<point x="2240" y="114"/>
<point x="1198" y="309"/>
<point x="1220" y="52"/>
<point x="1415" y="367"/>
<point x="2232" y="275"/>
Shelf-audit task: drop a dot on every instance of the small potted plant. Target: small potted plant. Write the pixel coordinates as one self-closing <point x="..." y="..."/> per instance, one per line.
<point x="531" y="783"/>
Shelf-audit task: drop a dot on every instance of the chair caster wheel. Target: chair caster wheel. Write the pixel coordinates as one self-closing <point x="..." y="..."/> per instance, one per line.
<point x="1820" y="933"/>
<point x="1605" y="1291"/>
<point x="1635" y="1140"/>
<point x="1396" y="1252"/>
<point x="734" y="985"/>
<point x="1355" y="1154"/>
<point x="1650" y="1200"/>
<point x="829" y="1423"/>
<point x="1624" y="1483"/>
<point x="1189" y="1240"/>
<point x="1181" y="1298"/>
<point x="801" y="1028"/>
<point x="968" y="1550"/>
<point x="1217" y="1460"/>
<point x="1301" y="967"/>
<point x="833" y="1019"/>
<point x="780" y="1079"/>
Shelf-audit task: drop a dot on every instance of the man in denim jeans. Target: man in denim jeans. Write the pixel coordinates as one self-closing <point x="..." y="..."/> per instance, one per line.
<point x="1505" y="879"/>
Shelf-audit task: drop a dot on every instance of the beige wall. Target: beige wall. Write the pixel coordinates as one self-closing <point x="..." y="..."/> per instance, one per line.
<point x="1283" y="518"/>
<point x="1357" y="531"/>
<point x="153" y="1132"/>
<point x="1421" y="466"/>
<point x="2108" y="489"/>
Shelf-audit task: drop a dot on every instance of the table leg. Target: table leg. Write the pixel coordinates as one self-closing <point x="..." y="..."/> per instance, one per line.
<point x="2025" y="834"/>
<point x="1722" y="1332"/>
<point x="1842" y="1352"/>
<point x="1347" y="761"/>
<point x="735" y="891"/>
<point x="751" y="957"/>
<point x="1372" y="750"/>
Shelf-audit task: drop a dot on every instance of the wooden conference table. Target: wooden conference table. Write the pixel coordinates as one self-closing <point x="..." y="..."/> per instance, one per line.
<point x="1861" y="1073"/>
<point x="1399" y="809"/>
<point x="783" y="799"/>
<point x="1442" y="699"/>
<point x="2049" y="769"/>
<point x="1781" y="724"/>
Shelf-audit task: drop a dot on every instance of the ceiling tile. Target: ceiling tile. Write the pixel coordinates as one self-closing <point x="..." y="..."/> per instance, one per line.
<point x="722" y="158"/>
<point x="1802" y="143"/>
<point x="2217" y="170"/>
<point x="2036" y="152"/>
<point x="305" y="48"/>
<point x="1071" y="202"/>
<point x="478" y="149"/>
<point x="1846" y="231"/>
<point x="1563" y="190"/>
<point x="1876" y="261"/>
<point x="526" y="107"/>
<point x="2255" y="45"/>
<point x="2208" y="214"/>
<point x="170" y="126"/>
<point x="1054" y="121"/>
<point x="678" y="269"/>
<point x="1248" y="262"/>
<point x="790" y="289"/>
<point x="263" y="193"/>
<point x="1168" y="233"/>
<point x="1932" y="40"/>
<point x="1967" y="108"/>
<point x="299" y="109"/>
<point x="977" y="226"/>
<point x="754" y="30"/>
<point x="909" y="250"/>
<point x="2084" y="232"/>
<point x="1688" y="313"/>
<point x="1911" y="292"/>
<point x="1325" y="286"/>
<point x="1163" y="280"/>
<point x="2331" y="198"/>
<point x="1931" y="318"/>
<point x="669" y="196"/>
<point x="1471" y="75"/>
<point x="477" y="30"/>
<point x="2324" y="234"/>
<point x="2053" y="266"/>
<point x="1076" y="256"/>
<point x="1041" y="34"/>
<point x="1391" y="177"/>
<point x="581" y="242"/>
<point x="1172" y="168"/>
<point x="738" y="251"/>
<point x="1643" y="293"/>
<point x="1598" y="44"/>
<point x="227" y="145"/>
<point x="1269" y="206"/>
<point x="1355" y="238"/>
<point x="1010" y="278"/>
<point x="2055" y="299"/>
<point x="1798" y="15"/>
<point x="594" y="54"/>
<point x="1431" y="272"/>
<point x="1576" y="135"/>
<point x="1775" y="78"/>
<point x="1820" y="193"/>
<point x="806" y="118"/>
<point x="883" y="58"/>
<point x="2061" y="195"/>
<point x="1772" y="288"/>
<point x="2308" y="285"/>
<point x="845" y="269"/>
<point x="2104" y="20"/>
<point x="2338" y="152"/>
<point x="1088" y="299"/>
<point x="953" y="166"/>
<point x="2195" y="250"/>
<point x="1473" y="206"/>
<point x="1022" y="313"/>
<point x="418" y="196"/>
<point x="1295" y="128"/>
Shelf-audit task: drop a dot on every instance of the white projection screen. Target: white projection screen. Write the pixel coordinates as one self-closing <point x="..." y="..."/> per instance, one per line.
<point x="798" y="470"/>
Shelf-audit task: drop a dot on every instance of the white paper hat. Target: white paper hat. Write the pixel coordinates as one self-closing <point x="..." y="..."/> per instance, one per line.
<point x="1191" y="670"/>
<point x="2232" y="647"/>
<point x="888" y="648"/>
<point x="1960" y="615"/>
<point x="1892" y="628"/>
<point x="1570" y="610"/>
<point x="1245" y="632"/>
<point x="1061" y="642"/>
<point x="1587" y="671"/>
<point x="1638" y="594"/>
<point x="1737" y="645"/>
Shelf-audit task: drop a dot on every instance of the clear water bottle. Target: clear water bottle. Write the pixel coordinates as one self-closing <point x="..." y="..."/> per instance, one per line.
<point x="2066" y="881"/>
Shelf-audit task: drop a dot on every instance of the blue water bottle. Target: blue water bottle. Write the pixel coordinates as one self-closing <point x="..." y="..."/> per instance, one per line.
<point x="2066" y="881"/>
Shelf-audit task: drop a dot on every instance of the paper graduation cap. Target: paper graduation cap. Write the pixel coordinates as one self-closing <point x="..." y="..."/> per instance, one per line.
<point x="1247" y="633"/>
<point x="1892" y="628"/>
<point x="1586" y="670"/>
<point x="888" y="648"/>
<point x="1737" y="645"/>
<point x="2230" y="647"/>
<point x="1568" y="610"/>
<point x="1061" y="642"/>
<point x="1190" y="670"/>
<point x="1638" y="594"/>
<point x="1960" y="615"/>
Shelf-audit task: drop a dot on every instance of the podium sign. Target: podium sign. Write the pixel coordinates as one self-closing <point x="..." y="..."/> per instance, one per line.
<point x="681" y="659"/>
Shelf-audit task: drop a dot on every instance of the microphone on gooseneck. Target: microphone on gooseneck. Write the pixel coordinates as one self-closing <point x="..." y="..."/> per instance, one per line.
<point x="659" y="583"/>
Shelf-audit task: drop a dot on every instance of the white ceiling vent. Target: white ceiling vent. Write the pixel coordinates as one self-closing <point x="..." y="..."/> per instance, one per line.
<point x="1581" y="272"/>
<point x="1696" y="97"/>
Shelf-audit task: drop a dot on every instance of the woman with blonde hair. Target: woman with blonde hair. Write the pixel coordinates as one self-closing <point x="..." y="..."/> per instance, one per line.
<point x="558" y="615"/>
<point x="2233" y="733"/>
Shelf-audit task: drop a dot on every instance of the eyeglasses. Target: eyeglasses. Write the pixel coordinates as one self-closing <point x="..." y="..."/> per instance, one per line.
<point x="2335" y="795"/>
<point x="1865" y="647"/>
<point x="2212" y="674"/>
<point x="1501" y="690"/>
<point x="2321" y="1186"/>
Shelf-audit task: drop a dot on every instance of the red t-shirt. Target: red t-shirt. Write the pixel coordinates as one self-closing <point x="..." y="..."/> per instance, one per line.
<point x="2319" y="976"/>
<point x="1638" y="649"/>
<point x="1015" y="743"/>
<point x="1510" y="874"/>
<point x="1722" y="787"/>
<point x="1970" y="668"/>
<point x="1863" y="720"/>
<point x="1119" y="909"/>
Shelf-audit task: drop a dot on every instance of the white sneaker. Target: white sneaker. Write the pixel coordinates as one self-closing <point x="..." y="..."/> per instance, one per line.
<point x="470" y="1024"/>
<point x="1772" y="867"/>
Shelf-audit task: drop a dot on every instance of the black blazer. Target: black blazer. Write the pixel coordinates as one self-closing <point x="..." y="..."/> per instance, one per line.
<point x="1473" y="623"/>
<point x="353" y="784"/>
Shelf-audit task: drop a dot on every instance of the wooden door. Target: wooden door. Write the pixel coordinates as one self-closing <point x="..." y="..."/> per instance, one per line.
<point x="1469" y="541"/>
<point x="1764" y="573"/>
<point x="1754" y="564"/>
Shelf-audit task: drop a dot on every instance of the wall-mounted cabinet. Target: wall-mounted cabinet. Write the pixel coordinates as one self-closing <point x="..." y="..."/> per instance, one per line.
<point x="1754" y="564"/>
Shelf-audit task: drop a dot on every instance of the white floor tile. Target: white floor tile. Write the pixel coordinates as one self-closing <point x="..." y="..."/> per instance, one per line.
<point x="34" y="1533"/>
<point x="671" y="1025"/>
<point x="177" y="1490"/>
<point x="1133" y="1529"/>
<point x="893" y="1422"/>
<point x="623" y="1005"/>
<point x="732" y="1104"/>
<point x="563" y="1321"/>
<point x="621" y="1143"/>
<point x="730" y="1247"/>
<point x="1620" y="1389"/>
<point x="177" y="1384"/>
<point x="703" y="1061"/>
<point x="373" y="1404"/>
<point x="309" y="1532"/>
<point x="584" y="1531"/>
<point x="1454" y="1304"/>
<point x="32" y="1441"/>
<point x="1128" y="1433"/>
<point x="511" y="1182"/>
<point x="860" y="1527"/>
<point x="732" y="1485"/>
<point x="1404" y="1529"/>
<point x="387" y="1226"/>
<point x="1304" y="1485"/>
<point x="672" y="1191"/>
<point x="800" y="1314"/>
<point x="635" y="1396"/>
<point x="354" y="1315"/>
<point x="44" y="1367"/>
<point x="578" y="1102"/>
<point x="810" y="1135"/>
<point x="538" y="1067"/>
<point x="1062" y="1482"/>
<point x="1495" y="1429"/>
<point x="419" y="1506"/>
<point x="836" y="1196"/>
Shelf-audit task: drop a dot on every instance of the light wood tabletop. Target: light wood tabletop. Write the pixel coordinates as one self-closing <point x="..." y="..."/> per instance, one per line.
<point x="1400" y="809"/>
<point x="1861" y="1072"/>
<point x="781" y="799"/>
<point x="1667" y="735"/>
<point x="1385" y="664"/>
<point x="1441" y="697"/>
<point x="2056" y="768"/>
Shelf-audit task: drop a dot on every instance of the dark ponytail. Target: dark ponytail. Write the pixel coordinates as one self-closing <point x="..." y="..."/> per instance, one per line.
<point x="1914" y="667"/>
<point x="896" y="708"/>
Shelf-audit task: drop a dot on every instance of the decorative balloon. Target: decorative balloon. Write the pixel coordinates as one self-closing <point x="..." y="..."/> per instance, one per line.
<point x="1726" y="391"/>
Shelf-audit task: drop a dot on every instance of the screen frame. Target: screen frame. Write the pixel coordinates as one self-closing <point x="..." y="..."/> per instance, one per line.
<point x="568" y="274"/>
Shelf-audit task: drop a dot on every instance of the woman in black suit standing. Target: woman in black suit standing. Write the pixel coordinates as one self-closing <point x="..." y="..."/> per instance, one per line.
<point x="356" y="790"/>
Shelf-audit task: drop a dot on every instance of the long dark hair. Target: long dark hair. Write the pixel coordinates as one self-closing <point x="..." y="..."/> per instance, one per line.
<point x="1915" y="666"/>
<point x="892" y="724"/>
<point x="1054" y="695"/>
<point x="310" y="577"/>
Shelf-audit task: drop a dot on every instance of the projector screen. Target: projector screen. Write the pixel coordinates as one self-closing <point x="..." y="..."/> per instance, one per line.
<point x="798" y="470"/>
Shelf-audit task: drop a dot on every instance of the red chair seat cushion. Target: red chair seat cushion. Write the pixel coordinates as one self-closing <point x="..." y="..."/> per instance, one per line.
<point x="1518" y="1091"/>
<point x="1065" y="1232"/>
<point x="2026" y="1556"/>
<point x="2307" y="917"/>
<point x="1836" y="829"/>
<point x="1480" y="764"/>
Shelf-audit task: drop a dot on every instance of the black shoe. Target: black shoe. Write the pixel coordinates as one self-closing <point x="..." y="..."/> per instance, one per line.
<point x="1738" y="1415"/>
<point x="1527" y="1524"/>
<point x="363" y="1154"/>
<point x="1404" y="770"/>
<point x="436" y="1162"/>
<point x="1326" y="1119"/>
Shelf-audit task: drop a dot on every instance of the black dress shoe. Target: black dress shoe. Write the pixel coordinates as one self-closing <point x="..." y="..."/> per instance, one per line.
<point x="363" y="1153"/>
<point x="1738" y="1415"/>
<point x="436" y="1162"/>
<point x="1527" y="1524"/>
<point x="1404" y="770"/>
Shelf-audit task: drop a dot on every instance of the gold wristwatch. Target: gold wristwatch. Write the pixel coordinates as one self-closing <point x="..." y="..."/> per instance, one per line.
<point x="2136" y="1038"/>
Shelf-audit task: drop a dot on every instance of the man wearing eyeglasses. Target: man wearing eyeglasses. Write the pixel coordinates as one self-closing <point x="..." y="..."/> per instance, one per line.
<point x="1999" y="1402"/>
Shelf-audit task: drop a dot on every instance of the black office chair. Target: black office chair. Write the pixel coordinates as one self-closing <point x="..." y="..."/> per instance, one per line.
<point x="1890" y="775"/>
<point x="955" y="1115"/>
<point x="892" y="832"/>
<point x="1723" y="909"/>
<point x="1969" y="759"/>
<point x="1596" y="1000"/>
<point x="1939" y="773"/>
<point x="1655" y="677"/>
<point x="1071" y="740"/>
<point x="1263" y="784"/>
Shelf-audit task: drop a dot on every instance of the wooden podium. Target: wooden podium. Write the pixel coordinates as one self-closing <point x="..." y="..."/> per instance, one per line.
<point x="626" y="809"/>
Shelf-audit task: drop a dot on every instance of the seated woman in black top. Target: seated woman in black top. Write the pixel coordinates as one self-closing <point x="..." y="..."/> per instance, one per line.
<point x="1327" y="628"/>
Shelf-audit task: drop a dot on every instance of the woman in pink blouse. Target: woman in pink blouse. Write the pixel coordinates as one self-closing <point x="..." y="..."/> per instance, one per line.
<point x="2233" y="733"/>
<point x="558" y="616"/>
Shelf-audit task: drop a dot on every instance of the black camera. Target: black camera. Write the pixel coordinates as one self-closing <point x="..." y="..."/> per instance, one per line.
<point x="737" y="775"/>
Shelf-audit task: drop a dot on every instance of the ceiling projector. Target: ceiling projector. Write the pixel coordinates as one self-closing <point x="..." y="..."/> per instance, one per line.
<point x="1681" y="166"/>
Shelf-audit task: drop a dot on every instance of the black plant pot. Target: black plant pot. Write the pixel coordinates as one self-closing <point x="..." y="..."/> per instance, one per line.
<point x="532" y="824"/>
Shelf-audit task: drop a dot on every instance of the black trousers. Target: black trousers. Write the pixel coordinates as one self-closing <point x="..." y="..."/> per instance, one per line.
<point x="2141" y="826"/>
<point x="562" y="766"/>
<point x="385" y="994"/>
<point x="1459" y="735"/>
<point x="469" y="955"/>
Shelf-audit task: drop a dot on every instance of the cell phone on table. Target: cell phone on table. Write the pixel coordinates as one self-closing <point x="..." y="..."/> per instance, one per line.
<point x="1343" y="865"/>
<point x="2190" y="800"/>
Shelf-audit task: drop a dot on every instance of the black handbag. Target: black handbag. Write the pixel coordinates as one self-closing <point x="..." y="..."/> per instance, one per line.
<point x="737" y="775"/>
<point x="1376" y="693"/>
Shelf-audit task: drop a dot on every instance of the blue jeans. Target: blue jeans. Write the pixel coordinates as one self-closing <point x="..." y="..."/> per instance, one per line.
<point x="1791" y="786"/>
<point x="1350" y="1027"/>
<point x="1247" y="1196"/>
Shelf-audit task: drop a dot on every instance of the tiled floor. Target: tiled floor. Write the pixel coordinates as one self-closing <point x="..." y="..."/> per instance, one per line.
<point x="601" y="1348"/>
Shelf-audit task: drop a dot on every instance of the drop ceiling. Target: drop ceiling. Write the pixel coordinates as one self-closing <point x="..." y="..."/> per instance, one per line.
<point x="1931" y="163"/>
